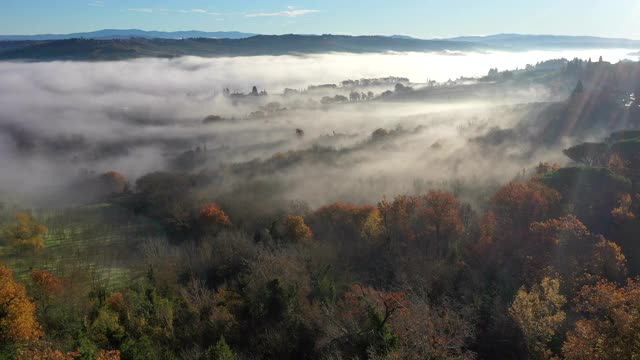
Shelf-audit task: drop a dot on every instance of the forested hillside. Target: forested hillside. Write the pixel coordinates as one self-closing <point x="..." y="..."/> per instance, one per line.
<point x="151" y="217"/>
<point x="547" y="265"/>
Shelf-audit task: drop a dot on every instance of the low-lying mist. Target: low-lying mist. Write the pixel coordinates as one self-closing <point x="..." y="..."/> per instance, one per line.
<point x="61" y="119"/>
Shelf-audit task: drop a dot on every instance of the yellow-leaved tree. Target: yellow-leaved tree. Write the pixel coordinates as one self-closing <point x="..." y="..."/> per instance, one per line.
<point x="539" y="314"/>
<point x="25" y="234"/>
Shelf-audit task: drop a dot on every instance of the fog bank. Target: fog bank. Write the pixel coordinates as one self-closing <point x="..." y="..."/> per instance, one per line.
<point x="61" y="118"/>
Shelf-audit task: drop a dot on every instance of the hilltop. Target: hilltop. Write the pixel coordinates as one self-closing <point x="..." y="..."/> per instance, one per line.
<point x="129" y="44"/>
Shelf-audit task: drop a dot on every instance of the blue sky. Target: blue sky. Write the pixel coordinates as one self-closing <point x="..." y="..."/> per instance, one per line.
<point x="422" y="18"/>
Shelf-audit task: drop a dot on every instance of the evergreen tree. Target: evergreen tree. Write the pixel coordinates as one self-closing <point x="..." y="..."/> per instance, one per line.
<point x="221" y="351"/>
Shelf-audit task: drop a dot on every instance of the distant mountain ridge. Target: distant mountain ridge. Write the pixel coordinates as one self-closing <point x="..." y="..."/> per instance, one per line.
<point x="520" y="41"/>
<point x="92" y="49"/>
<point x="130" y="44"/>
<point x="112" y="34"/>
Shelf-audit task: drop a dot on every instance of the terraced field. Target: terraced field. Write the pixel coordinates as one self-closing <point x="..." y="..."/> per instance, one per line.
<point x="88" y="244"/>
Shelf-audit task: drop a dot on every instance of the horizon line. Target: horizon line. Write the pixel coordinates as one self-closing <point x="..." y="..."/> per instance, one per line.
<point x="316" y="34"/>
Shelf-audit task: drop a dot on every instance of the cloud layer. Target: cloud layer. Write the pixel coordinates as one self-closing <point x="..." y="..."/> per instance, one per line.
<point x="59" y="118"/>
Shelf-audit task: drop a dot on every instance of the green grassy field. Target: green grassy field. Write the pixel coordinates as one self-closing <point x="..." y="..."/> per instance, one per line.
<point x="90" y="243"/>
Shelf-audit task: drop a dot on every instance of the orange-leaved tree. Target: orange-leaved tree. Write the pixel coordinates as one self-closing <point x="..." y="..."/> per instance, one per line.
<point x="505" y="228"/>
<point x="113" y="182"/>
<point x="108" y="355"/>
<point x="397" y="218"/>
<point x="18" y="324"/>
<point x="295" y="230"/>
<point x="49" y="285"/>
<point x="516" y="205"/>
<point x="48" y="290"/>
<point x="213" y="214"/>
<point x="432" y="220"/>
<point x="611" y="325"/>
<point x="579" y="256"/>
<point x="439" y="212"/>
<point x="213" y="219"/>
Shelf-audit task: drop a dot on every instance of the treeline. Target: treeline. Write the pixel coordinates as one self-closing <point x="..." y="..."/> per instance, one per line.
<point x="546" y="268"/>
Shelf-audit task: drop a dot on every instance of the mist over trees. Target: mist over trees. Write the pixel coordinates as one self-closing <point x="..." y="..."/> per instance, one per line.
<point x="378" y="217"/>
